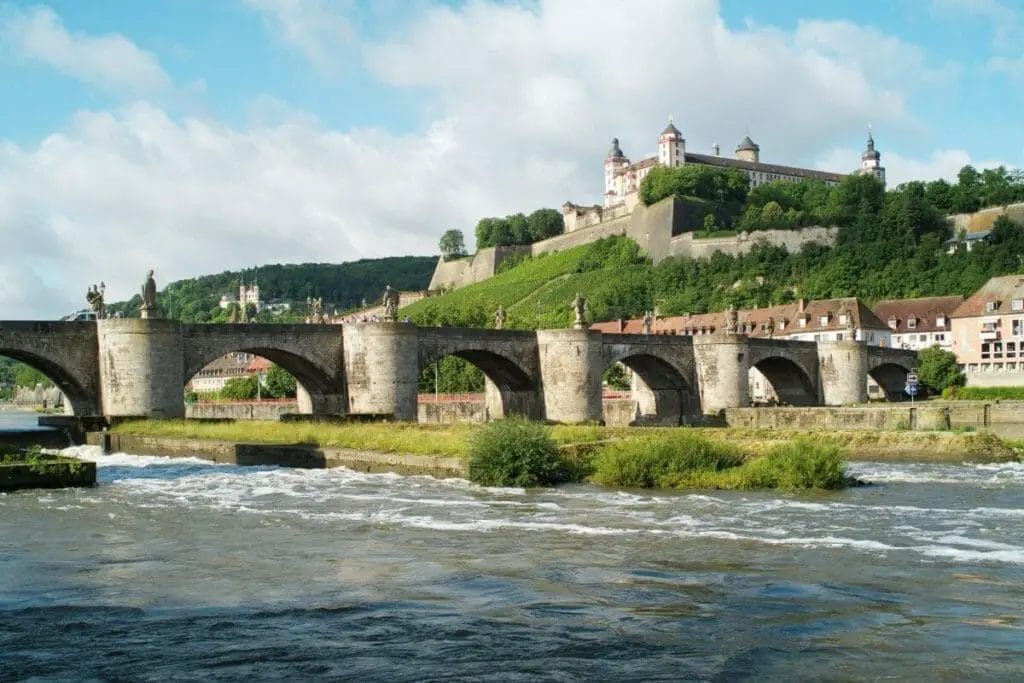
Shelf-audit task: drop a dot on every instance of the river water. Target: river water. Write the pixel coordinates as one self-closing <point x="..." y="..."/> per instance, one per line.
<point x="183" y="568"/>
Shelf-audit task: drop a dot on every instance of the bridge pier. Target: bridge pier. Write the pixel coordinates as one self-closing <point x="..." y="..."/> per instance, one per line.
<point x="843" y="372"/>
<point x="141" y="368"/>
<point x="723" y="363"/>
<point x="382" y="369"/>
<point x="571" y="363"/>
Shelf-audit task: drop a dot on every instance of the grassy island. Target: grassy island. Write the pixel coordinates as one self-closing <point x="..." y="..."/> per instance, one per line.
<point x="34" y="469"/>
<point x="673" y="457"/>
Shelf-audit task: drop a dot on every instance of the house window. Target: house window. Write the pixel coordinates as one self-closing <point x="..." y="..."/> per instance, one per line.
<point x="940" y="337"/>
<point x="892" y="323"/>
<point x="911" y="323"/>
<point x="922" y="338"/>
<point x="843" y="318"/>
<point x="991" y="306"/>
<point x="839" y="336"/>
<point x="1011" y="349"/>
<point x="997" y="350"/>
<point x="1017" y="327"/>
<point x="986" y="351"/>
<point x="871" y="336"/>
<point x="823" y="320"/>
<point x="940" y="321"/>
<point x="1017" y="304"/>
<point x="803" y="322"/>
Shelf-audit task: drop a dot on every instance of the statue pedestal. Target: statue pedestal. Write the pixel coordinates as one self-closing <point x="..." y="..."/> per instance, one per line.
<point x="149" y="312"/>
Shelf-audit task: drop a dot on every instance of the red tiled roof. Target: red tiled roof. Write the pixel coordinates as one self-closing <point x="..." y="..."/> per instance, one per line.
<point x="924" y="311"/>
<point x="1002" y="289"/>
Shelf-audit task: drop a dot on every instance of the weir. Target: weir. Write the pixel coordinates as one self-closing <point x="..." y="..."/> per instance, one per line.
<point x="119" y="368"/>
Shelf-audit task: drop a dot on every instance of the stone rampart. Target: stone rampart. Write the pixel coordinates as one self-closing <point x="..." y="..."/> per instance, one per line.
<point x="979" y="221"/>
<point x="662" y="230"/>
<point x="892" y="417"/>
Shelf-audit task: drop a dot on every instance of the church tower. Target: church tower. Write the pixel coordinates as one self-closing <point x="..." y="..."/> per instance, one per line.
<point x="671" y="146"/>
<point x="614" y="190"/>
<point x="871" y="160"/>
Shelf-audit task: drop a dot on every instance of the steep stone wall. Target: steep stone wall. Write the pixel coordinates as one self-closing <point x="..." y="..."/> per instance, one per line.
<point x="689" y="246"/>
<point x="980" y="221"/>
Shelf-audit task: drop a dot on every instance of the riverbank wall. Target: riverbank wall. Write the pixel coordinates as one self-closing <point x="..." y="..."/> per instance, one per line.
<point x="878" y="418"/>
<point x="281" y="455"/>
<point x="241" y="410"/>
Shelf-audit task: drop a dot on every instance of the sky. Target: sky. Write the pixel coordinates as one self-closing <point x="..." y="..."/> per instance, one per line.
<point x="194" y="137"/>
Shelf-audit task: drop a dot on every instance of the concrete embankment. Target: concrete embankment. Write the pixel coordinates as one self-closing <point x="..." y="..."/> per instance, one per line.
<point x="882" y="418"/>
<point x="283" y="455"/>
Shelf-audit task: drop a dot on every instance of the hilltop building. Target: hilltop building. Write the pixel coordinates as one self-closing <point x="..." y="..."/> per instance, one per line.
<point x="622" y="177"/>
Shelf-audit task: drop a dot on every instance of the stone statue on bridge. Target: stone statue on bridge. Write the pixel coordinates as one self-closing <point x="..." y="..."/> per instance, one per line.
<point x="149" y="308"/>
<point x="316" y="311"/>
<point x="580" y="310"/>
<point x="390" y="302"/>
<point x="732" y="320"/>
<point x="95" y="298"/>
<point x="648" y="322"/>
<point x="499" y="318"/>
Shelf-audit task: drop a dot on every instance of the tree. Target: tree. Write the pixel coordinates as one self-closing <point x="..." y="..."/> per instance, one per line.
<point x="937" y="369"/>
<point x="239" y="388"/>
<point x="452" y="245"/>
<point x="280" y="383"/>
<point x="709" y="223"/>
<point x="720" y="185"/>
<point x="545" y="223"/>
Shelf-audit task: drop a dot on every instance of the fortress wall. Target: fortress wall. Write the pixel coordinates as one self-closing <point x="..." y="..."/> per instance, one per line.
<point x="466" y="271"/>
<point x="687" y="245"/>
<point x="979" y="221"/>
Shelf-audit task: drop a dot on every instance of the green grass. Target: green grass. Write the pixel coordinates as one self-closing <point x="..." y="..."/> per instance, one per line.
<point x="547" y="282"/>
<point x="391" y="437"/>
<point x="695" y="462"/>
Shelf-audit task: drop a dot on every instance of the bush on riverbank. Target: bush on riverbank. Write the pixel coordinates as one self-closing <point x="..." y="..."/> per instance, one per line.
<point x="983" y="393"/>
<point x="660" y="460"/>
<point x="515" y="452"/>
<point x="692" y="461"/>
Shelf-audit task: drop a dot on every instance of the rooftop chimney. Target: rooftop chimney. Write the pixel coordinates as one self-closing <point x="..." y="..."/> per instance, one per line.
<point x="800" y="305"/>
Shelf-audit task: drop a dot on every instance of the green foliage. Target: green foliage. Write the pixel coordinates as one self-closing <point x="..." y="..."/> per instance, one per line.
<point x="937" y="369"/>
<point x="616" y="378"/>
<point x="25" y="376"/>
<point x="453" y="375"/>
<point x="279" y="383"/>
<point x="452" y="244"/>
<point x="239" y="388"/>
<point x="515" y="452"/>
<point x="342" y="286"/>
<point x="799" y="464"/>
<point x="657" y="461"/>
<point x="720" y="185"/>
<point x="685" y="460"/>
<point x="983" y="393"/>
<point x="518" y="228"/>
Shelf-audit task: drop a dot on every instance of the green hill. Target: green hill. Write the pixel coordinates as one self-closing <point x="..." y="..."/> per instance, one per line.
<point x="342" y="286"/>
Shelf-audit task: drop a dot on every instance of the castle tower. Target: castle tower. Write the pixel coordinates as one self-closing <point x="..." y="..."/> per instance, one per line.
<point x="671" y="146"/>
<point x="748" y="150"/>
<point x="614" y="190"/>
<point x="871" y="160"/>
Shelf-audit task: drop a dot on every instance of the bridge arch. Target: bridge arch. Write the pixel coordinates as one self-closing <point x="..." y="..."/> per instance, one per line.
<point x="659" y="387"/>
<point x="509" y="388"/>
<point x="310" y="353"/>
<point x="78" y="400"/>
<point x="65" y="352"/>
<point x="891" y="377"/>
<point x="778" y="379"/>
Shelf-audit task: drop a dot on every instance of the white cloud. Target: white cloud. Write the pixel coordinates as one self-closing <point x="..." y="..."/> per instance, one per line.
<point x="318" y="29"/>
<point x="943" y="163"/>
<point x="111" y="62"/>
<point x="523" y="103"/>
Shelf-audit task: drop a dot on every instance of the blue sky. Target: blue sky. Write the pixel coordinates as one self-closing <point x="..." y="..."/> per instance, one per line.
<point x="195" y="136"/>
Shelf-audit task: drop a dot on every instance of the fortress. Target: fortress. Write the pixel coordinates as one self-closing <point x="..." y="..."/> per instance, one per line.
<point x="666" y="228"/>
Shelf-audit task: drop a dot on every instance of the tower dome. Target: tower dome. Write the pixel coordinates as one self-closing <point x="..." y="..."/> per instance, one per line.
<point x="615" y="152"/>
<point x="870" y="152"/>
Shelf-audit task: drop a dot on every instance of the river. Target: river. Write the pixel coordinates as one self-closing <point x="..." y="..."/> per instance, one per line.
<point x="182" y="568"/>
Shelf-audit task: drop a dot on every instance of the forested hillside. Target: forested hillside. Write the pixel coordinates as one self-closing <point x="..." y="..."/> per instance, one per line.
<point x="342" y="286"/>
<point x="891" y="244"/>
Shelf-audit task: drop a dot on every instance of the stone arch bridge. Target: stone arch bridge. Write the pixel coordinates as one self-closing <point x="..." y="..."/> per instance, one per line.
<point x="138" y="368"/>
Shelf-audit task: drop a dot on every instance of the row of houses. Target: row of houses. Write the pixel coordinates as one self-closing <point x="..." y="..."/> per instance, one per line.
<point x="985" y="330"/>
<point x="214" y="376"/>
